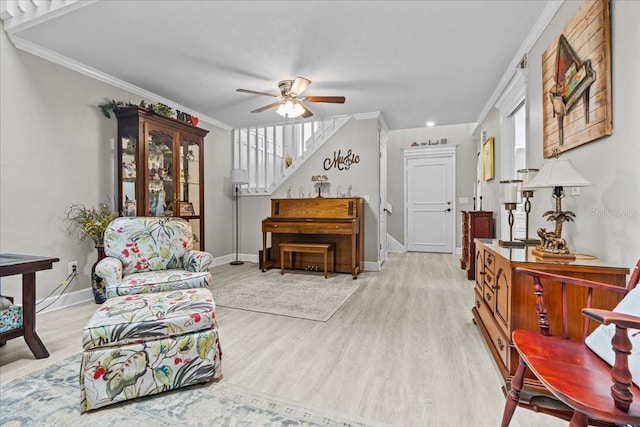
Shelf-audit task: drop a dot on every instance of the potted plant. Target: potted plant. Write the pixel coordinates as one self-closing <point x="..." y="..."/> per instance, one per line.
<point x="91" y="223"/>
<point x="158" y="107"/>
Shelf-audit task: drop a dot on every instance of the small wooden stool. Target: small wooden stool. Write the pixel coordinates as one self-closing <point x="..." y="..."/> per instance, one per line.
<point x="311" y="248"/>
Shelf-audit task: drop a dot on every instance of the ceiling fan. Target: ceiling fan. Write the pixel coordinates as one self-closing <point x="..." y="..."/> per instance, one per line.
<point x="290" y="102"/>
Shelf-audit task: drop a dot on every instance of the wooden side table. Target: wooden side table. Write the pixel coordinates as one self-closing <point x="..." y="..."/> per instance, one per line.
<point x="26" y="265"/>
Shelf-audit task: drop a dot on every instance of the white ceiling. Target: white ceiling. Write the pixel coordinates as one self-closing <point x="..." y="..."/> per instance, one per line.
<point x="412" y="61"/>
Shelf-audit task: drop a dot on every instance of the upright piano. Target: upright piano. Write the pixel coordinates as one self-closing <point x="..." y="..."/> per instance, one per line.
<point x="337" y="220"/>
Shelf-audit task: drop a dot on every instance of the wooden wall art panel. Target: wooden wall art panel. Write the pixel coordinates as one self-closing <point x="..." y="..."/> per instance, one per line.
<point x="576" y="81"/>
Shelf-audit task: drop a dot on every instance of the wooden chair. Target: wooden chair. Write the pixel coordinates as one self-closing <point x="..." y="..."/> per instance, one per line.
<point x="598" y="393"/>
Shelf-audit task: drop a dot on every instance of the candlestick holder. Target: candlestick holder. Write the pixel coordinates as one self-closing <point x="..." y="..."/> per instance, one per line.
<point x="510" y="199"/>
<point x="511" y="243"/>
<point x="527" y="175"/>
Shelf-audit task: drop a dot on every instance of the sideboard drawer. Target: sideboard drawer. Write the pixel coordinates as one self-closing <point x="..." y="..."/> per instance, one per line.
<point x="489" y="261"/>
<point x="498" y="341"/>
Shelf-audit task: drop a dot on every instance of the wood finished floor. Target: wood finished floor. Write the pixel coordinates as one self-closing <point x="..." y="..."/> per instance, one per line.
<point x="402" y="350"/>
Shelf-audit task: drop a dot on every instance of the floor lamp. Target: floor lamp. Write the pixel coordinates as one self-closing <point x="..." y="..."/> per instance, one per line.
<point x="238" y="178"/>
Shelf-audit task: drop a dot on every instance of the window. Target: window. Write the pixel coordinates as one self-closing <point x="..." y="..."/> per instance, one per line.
<point x="513" y="151"/>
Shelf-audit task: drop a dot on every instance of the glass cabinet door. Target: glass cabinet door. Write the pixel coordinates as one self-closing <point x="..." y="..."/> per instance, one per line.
<point x="129" y="183"/>
<point x="160" y="171"/>
<point x="189" y="191"/>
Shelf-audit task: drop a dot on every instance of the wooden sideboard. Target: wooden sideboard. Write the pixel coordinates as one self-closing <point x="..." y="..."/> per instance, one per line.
<point x="475" y="224"/>
<point x="504" y="300"/>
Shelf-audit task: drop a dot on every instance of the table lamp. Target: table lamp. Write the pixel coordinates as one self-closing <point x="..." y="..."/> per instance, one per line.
<point x="557" y="174"/>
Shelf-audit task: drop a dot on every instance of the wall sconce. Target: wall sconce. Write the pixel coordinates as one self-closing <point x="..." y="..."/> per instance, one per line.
<point x="557" y="174"/>
<point x="526" y="175"/>
<point x="510" y="197"/>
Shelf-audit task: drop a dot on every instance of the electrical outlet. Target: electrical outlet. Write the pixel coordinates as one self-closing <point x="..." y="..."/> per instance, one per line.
<point x="72" y="267"/>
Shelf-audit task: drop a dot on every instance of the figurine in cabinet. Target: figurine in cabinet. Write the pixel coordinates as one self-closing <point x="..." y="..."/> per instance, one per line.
<point x="160" y="203"/>
<point x="129" y="207"/>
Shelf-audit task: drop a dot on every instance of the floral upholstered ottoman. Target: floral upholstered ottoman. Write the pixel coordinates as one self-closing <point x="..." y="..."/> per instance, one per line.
<point x="139" y="345"/>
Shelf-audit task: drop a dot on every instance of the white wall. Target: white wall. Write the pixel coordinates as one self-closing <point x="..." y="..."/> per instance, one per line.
<point x="361" y="136"/>
<point x="607" y="221"/>
<point x="57" y="149"/>
<point x="465" y="170"/>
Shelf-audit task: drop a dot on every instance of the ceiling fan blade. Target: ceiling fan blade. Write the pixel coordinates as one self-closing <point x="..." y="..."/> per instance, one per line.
<point x="299" y="85"/>
<point x="306" y="113"/>
<point x="266" y="107"/>
<point x="331" y="99"/>
<point x="255" y="92"/>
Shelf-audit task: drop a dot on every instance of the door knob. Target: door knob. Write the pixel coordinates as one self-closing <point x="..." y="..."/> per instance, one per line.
<point x="448" y="210"/>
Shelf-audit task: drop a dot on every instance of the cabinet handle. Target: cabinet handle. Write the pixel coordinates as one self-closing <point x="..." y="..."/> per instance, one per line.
<point x="482" y="273"/>
<point x="500" y="344"/>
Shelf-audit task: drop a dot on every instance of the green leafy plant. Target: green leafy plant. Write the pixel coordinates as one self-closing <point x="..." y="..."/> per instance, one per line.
<point x="158" y="107"/>
<point x="89" y="222"/>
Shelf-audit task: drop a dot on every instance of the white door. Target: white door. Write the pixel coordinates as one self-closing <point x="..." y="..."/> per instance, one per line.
<point x="430" y="209"/>
<point x="383" y="198"/>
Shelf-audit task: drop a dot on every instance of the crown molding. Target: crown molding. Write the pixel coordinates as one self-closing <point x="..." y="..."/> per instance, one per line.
<point x="538" y="28"/>
<point x="18" y="15"/>
<point x="81" y="68"/>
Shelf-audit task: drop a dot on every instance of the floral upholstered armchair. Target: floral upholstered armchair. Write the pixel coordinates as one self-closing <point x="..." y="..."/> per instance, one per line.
<point x="151" y="254"/>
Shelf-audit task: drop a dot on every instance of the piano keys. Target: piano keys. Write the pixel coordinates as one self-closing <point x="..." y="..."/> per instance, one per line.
<point x="317" y="220"/>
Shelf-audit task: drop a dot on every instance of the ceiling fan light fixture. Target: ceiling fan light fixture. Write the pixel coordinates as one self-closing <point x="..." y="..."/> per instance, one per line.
<point x="290" y="108"/>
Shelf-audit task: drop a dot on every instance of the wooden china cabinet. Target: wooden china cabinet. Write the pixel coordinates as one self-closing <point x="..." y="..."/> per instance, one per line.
<point x="161" y="169"/>
<point x="475" y="224"/>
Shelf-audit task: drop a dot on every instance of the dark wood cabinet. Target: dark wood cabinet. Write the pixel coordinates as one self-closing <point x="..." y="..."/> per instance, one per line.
<point x="504" y="299"/>
<point x="475" y="224"/>
<point x="160" y="168"/>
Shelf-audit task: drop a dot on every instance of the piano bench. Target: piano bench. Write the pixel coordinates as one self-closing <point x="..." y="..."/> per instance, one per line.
<point x="311" y="248"/>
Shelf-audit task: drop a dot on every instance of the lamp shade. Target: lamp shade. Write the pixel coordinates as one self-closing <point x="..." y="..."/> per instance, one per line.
<point x="558" y="173"/>
<point x="290" y="108"/>
<point x="239" y="177"/>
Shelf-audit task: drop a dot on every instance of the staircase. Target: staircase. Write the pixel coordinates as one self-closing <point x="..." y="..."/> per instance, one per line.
<point x="270" y="154"/>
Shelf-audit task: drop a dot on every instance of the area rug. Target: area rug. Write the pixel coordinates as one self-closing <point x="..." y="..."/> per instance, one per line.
<point x="305" y="296"/>
<point x="51" y="397"/>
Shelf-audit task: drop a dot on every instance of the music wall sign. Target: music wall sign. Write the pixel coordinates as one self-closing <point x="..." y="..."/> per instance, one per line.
<point x="341" y="162"/>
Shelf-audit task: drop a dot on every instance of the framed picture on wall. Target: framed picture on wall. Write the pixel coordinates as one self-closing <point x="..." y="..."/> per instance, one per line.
<point x="576" y="81"/>
<point x="488" y="170"/>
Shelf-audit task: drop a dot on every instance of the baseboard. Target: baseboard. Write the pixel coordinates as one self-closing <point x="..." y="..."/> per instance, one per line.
<point x="457" y="251"/>
<point x="54" y="303"/>
<point x="372" y="266"/>
<point x="393" y="245"/>
<point x="226" y="259"/>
